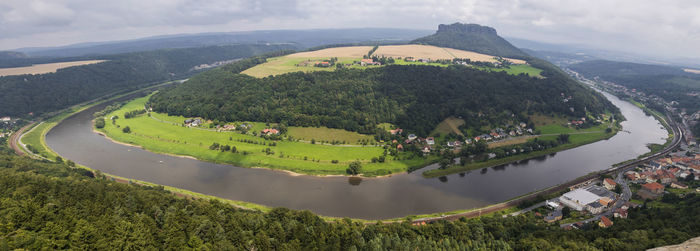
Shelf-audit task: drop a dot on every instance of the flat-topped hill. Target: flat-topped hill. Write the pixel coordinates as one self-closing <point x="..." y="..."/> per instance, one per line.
<point x="472" y="37"/>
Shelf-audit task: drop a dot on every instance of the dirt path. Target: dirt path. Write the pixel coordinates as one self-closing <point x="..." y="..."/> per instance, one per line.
<point x="14" y="139"/>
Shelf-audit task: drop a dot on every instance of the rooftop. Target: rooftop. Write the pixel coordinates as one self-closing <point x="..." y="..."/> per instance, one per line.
<point x="582" y="196"/>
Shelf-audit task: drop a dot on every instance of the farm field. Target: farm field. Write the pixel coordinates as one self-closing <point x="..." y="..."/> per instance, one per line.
<point x="44" y="68"/>
<point x="304" y="61"/>
<point x="327" y="134"/>
<point x="433" y="52"/>
<point x="299" y="157"/>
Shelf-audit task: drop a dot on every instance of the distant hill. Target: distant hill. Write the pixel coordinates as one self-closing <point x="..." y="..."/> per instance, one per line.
<point x="301" y="39"/>
<point x="49" y="92"/>
<point x="615" y="68"/>
<point x="472" y="37"/>
<point x="11" y="55"/>
<point x="668" y="82"/>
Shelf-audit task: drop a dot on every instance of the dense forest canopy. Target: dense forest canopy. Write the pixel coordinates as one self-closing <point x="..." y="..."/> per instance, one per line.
<point x="416" y="98"/>
<point x="52" y="206"/>
<point x="42" y="93"/>
<point x="472" y="37"/>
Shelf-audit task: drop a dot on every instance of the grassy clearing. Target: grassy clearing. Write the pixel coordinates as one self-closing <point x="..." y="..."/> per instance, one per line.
<point x="327" y="134"/>
<point x="299" y="157"/>
<point x="510" y="141"/>
<point x="449" y="125"/>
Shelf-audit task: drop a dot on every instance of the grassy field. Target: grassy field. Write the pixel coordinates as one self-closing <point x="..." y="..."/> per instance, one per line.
<point x="44" y="68"/>
<point x="327" y="134"/>
<point x="520" y="69"/>
<point x="299" y="157"/>
<point x="304" y="61"/>
<point x="449" y="125"/>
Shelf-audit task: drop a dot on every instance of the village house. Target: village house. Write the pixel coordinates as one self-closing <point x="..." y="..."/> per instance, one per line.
<point x="396" y="131"/>
<point x="430" y="141"/>
<point x="425" y="150"/>
<point x="5" y="119"/>
<point x="605" y="222"/>
<point x="620" y="213"/>
<point x="609" y="184"/>
<point x="595" y="207"/>
<point x="412" y="137"/>
<point x="368" y="61"/>
<point x="324" y="64"/>
<point x="193" y="122"/>
<point x="553" y="217"/>
<point x="269" y="131"/>
<point x="650" y="190"/>
<point x="399" y="147"/>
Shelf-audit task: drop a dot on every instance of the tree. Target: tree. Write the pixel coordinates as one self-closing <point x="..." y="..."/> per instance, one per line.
<point x="563" y="138"/>
<point x="446" y="162"/>
<point x="566" y="212"/>
<point x="354" y="168"/>
<point x="618" y="188"/>
<point x="126" y="129"/>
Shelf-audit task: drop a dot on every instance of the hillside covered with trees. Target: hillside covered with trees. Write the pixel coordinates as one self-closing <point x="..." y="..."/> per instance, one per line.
<point x="416" y="98"/>
<point x="53" y="206"/>
<point x="42" y="93"/>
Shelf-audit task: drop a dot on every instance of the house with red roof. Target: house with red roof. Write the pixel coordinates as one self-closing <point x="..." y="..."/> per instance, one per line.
<point x="653" y="187"/>
<point x="270" y="131"/>
<point x="605" y="222"/>
<point x="609" y="184"/>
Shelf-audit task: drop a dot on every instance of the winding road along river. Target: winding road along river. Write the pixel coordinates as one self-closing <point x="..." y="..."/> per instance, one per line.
<point x="376" y="198"/>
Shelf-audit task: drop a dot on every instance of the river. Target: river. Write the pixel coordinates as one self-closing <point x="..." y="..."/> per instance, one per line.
<point x="373" y="198"/>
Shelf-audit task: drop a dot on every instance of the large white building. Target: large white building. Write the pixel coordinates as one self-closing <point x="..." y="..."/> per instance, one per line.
<point x="578" y="199"/>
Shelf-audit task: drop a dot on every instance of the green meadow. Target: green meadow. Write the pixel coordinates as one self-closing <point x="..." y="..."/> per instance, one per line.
<point x="166" y="134"/>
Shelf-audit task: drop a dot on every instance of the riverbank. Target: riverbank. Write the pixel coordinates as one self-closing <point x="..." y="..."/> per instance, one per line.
<point x="164" y="135"/>
<point x="575" y="140"/>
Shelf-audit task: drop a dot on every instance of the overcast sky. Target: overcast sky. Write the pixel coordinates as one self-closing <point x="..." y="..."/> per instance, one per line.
<point x="655" y="27"/>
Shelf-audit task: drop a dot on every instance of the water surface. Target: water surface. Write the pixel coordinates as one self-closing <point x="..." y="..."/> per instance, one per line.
<point x="378" y="198"/>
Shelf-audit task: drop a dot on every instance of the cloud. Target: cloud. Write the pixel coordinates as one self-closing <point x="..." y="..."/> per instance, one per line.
<point x="670" y="27"/>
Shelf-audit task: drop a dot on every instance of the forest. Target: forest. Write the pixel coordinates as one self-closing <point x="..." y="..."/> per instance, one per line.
<point x="415" y="98"/>
<point x="52" y="206"/>
<point x="43" y="93"/>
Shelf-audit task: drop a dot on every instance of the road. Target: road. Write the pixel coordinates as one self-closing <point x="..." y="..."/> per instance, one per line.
<point x="620" y="179"/>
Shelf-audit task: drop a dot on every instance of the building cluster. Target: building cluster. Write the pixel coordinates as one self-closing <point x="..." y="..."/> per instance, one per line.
<point x="233" y="127"/>
<point x="193" y="122"/>
<point x="658" y="174"/>
<point x="499" y="133"/>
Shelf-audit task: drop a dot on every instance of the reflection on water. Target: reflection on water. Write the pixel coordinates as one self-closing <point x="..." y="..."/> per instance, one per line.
<point x="355" y="181"/>
<point x="368" y="198"/>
